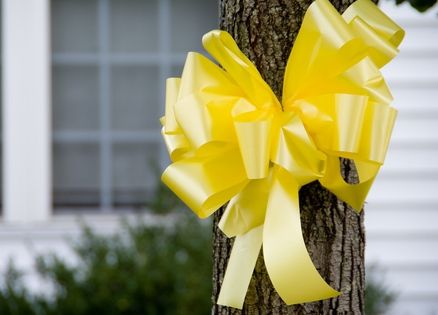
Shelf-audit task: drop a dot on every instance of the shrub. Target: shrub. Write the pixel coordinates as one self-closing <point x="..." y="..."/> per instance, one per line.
<point x="378" y="297"/>
<point x="141" y="270"/>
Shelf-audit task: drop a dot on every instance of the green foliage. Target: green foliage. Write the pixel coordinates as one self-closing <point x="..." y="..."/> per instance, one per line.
<point x="141" y="270"/>
<point x="14" y="298"/>
<point x="378" y="297"/>
<point x="419" y="5"/>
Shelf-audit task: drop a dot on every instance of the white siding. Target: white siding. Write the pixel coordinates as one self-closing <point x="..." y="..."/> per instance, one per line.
<point x="402" y="209"/>
<point x="21" y="243"/>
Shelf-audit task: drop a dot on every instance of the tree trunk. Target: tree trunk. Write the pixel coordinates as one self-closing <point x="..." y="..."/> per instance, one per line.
<point x="334" y="234"/>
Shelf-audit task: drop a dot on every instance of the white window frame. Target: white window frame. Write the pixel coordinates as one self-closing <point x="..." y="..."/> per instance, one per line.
<point x="105" y="138"/>
<point x="27" y="186"/>
<point x="27" y="131"/>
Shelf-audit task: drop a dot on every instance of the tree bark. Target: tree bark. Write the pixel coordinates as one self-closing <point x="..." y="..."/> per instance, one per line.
<point x="334" y="234"/>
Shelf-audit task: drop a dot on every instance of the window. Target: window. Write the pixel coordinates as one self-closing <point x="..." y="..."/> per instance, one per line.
<point x="109" y="65"/>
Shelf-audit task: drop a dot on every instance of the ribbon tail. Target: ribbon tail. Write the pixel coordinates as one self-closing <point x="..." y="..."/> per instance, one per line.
<point x="240" y="267"/>
<point x="286" y="258"/>
<point x="246" y="210"/>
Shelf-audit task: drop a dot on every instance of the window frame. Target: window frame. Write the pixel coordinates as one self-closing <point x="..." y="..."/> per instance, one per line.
<point x="104" y="59"/>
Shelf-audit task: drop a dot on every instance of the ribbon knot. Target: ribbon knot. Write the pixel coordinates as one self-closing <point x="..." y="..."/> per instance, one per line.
<point x="230" y="139"/>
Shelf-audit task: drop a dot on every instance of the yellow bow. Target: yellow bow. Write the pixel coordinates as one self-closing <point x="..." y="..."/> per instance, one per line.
<point x="230" y="139"/>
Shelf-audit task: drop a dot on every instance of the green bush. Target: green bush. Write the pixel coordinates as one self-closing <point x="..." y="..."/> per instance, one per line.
<point x="378" y="297"/>
<point x="419" y="5"/>
<point x="141" y="270"/>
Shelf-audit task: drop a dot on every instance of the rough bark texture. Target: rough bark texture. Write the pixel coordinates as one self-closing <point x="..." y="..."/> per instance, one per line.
<point x="334" y="234"/>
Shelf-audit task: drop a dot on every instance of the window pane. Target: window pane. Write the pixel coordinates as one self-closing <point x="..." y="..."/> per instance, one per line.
<point x="134" y="98"/>
<point x="134" y="25"/>
<point x="75" y="98"/>
<point x="133" y="172"/>
<point x="190" y="20"/>
<point x="76" y="174"/>
<point x="176" y="71"/>
<point x="74" y="26"/>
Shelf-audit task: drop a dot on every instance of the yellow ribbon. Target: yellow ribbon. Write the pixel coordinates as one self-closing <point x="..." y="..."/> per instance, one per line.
<point x="230" y="139"/>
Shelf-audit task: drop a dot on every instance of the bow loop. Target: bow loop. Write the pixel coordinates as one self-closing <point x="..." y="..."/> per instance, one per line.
<point x="380" y="34"/>
<point x="176" y="142"/>
<point x="335" y="121"/>
<point x="169" y="121"/>
<point x="347" y="53"/>
<point x="224" y="49"/>
<point x="365" y="78"/>
<point x="206" y="96"/>
<point x="206" y="183"/>
<point x="324" y="48"/>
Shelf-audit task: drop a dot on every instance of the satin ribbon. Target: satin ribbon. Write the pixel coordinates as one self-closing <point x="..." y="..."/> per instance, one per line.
<point x="230" y="139"/>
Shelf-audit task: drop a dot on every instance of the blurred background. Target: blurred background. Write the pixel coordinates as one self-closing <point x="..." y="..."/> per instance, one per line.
<point x="81" y="150"/>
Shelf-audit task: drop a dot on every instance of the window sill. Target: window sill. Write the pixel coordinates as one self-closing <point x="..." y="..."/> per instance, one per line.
<point x="70" y="223"/>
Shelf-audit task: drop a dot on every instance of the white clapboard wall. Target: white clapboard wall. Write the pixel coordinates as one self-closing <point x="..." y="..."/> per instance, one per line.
<point x="402" y="209"/>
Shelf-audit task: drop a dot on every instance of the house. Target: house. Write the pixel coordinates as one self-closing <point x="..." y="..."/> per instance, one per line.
<point x="80" y="140"/>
